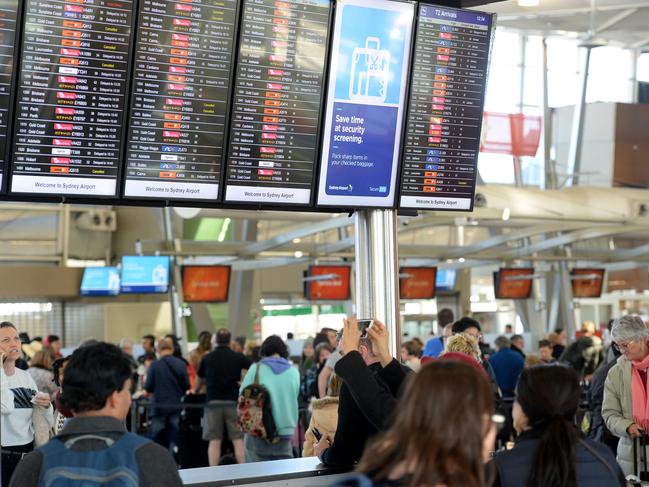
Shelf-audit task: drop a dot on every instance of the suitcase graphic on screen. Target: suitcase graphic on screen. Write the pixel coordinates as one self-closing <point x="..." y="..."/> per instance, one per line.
<point x="368" y="80"/>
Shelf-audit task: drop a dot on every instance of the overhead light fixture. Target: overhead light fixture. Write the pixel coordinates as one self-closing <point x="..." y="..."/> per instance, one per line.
<point x="528" y="3"/>
<point x="298" y="254"/>
<point x="506" y="214"/>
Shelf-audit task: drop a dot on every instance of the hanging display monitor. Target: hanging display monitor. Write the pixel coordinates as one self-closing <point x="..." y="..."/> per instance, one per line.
<point x="587" y="283"/>
<point x="182" y="71"/>
<point x="71" y="96"/>
<point x="417" y="282"/>
<point x="8" y="34"/>
<point x="206" y="284"/>
<point x="328" y="283"/>
<point x="513" y="283"/>
<point x="365" y="103"/>
<point x="445" y="280"/>
<point x="145" y="274"/>
<point x="277" y="102"/>
<point x="449" y="77"/>
<point x="100" y="281"/>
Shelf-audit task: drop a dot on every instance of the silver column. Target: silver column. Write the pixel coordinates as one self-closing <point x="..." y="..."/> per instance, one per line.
<point x="577" y="135"/>
<point x="175" y="289"/>
<point x="377" y="270"/>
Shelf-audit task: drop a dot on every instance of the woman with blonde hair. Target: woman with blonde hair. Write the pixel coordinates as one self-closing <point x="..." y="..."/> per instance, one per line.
<point x="436" y="440"/>
<point x="463" y="343"/>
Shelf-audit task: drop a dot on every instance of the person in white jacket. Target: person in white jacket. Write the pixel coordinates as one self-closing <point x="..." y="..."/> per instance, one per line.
<point x="19" y="396"/>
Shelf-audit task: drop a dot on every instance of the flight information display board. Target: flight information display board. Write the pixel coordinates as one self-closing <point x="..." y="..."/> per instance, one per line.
<point x="183" y="65"/>
<point x="445" y="109"/>
<point x="8" y="25"/>
<point x="276" y="110"/>
<point x="71" y="97"/>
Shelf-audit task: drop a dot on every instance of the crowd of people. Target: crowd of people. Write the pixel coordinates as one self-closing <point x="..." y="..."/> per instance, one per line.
<point x="451" y="412"/>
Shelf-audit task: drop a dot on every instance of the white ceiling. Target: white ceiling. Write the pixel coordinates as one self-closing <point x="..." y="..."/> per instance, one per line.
<point x="621" y="22"/>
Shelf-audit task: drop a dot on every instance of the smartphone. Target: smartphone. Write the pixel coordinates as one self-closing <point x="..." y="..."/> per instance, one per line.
<point x="317" y="434"/>
<point x="363" y="325"/>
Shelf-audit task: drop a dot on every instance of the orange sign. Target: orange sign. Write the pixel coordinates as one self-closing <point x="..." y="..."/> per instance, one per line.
<point x="513" y="283"/>
<point x="206" y="283"/>
<point x="417" y="282"/>
<point x="334" y="285"/>
<point x="587" y="283"/>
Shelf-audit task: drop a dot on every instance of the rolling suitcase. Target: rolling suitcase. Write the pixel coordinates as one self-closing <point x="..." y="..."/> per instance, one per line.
<point x="640" y="475"/>
<point x="192" y="449"/>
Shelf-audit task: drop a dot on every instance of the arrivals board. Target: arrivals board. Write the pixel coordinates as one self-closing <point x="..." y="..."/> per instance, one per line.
<point x="278" y="94"/>
<point x="8" y="26"/>
<point x="71" y="97"/>
<point x="366" y="101"/>
<point x="182" y="70"/>
<point x="446" y="103"/>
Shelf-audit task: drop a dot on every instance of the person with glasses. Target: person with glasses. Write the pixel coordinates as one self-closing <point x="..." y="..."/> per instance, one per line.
<point x="626" y="407"/>
<point x="437" y="439"/>
<point x="548" y="450"/>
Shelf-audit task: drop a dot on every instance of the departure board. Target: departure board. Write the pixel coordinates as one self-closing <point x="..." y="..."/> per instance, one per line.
<point x="71" y="97"/>
<point x="445" y="109"/>
<point x="8" y="25"/>
<point x="278" y="94"/>
<point x="184" y="54"/>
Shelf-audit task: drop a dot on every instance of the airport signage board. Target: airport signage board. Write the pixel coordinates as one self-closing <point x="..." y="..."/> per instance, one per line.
<point x="145" y="274"/>
<point x="206" y="284"/>
<point x="277" y="102"/>
<point x="449" y="78"/>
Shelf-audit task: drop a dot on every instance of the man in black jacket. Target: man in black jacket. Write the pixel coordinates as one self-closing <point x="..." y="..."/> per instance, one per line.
<point x="371" y="380"/>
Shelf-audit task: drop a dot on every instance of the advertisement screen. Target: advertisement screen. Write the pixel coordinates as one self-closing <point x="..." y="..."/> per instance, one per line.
<point x="333" y="284"/>
<point x="100" y="281"/>
<point x="587" y="283"/>
<point x="417" y="282"/>
<point x="513" y="283"/>
<point x="445" y="279"/>
<point x="206" y="284"/>
<point x="145" y="274"/>
<point x="365" y="103"/>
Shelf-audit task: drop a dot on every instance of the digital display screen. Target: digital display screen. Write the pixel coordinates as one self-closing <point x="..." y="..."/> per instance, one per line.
<point x="183" y="62"/>
<point x="206" y="284"/>
<point x="445" y="279"/>
<point x="587" y="283"/>
<point x="145" y="274"/>
<point x="71" y="95"/>
<point x="328" y="283"/>
<point x="417" y="282"/>
<point x="8" y="26"/>
<point x="449" y="77"/>
<point x="367" y="85"/>
<point x="278" y="93"/>
<point x="100" y="281"/>
<point x="513" y="283"/>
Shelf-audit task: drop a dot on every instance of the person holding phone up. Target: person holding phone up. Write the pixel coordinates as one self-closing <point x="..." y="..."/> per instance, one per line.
<point x="19" y="396"/>
<point x="371" y="378"/>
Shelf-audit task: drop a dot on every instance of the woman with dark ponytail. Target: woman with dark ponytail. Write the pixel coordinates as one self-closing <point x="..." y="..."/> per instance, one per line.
<point x="549" y="451"/>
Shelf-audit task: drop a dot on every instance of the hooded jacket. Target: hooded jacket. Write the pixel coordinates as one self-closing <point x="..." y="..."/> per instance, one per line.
<point x="325" y="418"/>
<point x="283" y="383"/>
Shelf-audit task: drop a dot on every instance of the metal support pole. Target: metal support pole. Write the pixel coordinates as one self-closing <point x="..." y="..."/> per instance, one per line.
<point x="377" y="270"/>
<point x="550" y="168"/>
<point x="577" y="135"/>
<point x="175" y="289"/>
<point x="635" y="55"/>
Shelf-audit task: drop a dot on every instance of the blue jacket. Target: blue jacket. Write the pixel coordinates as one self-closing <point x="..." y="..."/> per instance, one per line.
<point x="507" y="365"/>
<point x="434" y="347"/>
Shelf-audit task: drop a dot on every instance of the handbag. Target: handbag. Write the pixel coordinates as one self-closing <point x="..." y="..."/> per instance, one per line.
<point x="42" y="428"/>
